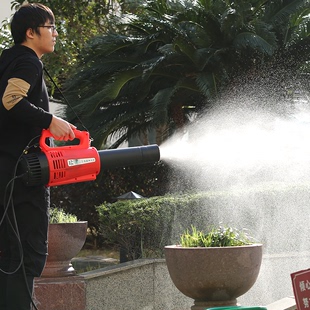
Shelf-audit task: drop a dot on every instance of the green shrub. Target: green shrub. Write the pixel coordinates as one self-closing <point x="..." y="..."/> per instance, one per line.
<point x="143" y="227"/>
<point x="58" y="215"/>
<point x="215" y="237"/>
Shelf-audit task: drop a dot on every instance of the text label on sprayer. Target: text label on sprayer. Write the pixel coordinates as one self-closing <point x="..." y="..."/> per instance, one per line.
<point x="80" y="161"/>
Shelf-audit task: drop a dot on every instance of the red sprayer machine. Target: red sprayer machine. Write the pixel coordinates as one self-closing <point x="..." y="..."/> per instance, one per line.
<point x="79" y="163"/>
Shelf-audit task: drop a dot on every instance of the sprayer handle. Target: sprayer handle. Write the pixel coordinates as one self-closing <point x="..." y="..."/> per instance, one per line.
<point x="83" y="136"/>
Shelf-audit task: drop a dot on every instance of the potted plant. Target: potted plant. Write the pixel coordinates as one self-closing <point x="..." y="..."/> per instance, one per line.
<point x="214" y="268"/>
<point x="66" y="237"/>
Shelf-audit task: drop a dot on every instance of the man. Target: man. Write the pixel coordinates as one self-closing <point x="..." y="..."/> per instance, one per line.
<point x="24" y="112"/>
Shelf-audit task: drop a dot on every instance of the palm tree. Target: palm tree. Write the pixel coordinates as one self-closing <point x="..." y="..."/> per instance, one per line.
<point x="172" y="59"/>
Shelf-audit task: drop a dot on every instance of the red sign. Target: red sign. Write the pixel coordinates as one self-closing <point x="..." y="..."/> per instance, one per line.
<point x="301" y="287"/>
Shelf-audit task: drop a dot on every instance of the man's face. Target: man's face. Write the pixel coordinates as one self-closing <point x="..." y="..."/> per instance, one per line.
<point x="45" y="42"/>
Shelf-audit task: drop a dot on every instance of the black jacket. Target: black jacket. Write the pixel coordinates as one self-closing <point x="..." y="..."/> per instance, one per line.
<point x="19" y="125"/>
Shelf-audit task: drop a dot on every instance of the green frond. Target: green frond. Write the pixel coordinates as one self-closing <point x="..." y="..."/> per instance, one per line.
<point x="299" y="25"/>
<point x="279" y="12"/>
<point x="115" y="116"/>
<point x="253" y="41"/>
<point x="185" y="47"/>
<point x="204" y="57"/>
<point x="206" y="4"/>
<point x="263" y="30"/>
<point x="87" y="106"/>
<point x="187" y="84"/>
<point x="102" y="46"/>
<point x="150" y="66"/>
<point x="160" y="103"/>
<point x="198" y="34"/>
<point x="167" y="49"/>
<point x="231" y="22"/>
<point x="206" y="84"/>
<point x="113" y="88"/>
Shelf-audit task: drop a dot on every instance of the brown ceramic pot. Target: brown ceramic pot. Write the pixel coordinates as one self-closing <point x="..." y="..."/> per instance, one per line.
<point x="65" y="240"/>
<point x="214" y="276"/>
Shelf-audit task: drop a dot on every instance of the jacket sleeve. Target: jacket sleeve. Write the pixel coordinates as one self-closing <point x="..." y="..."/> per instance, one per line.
<point x="23" y="81"/>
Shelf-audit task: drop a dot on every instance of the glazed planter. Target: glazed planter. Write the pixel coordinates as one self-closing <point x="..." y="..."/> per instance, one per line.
<point x="213" y="276"/>
<point x="65" y="240"/>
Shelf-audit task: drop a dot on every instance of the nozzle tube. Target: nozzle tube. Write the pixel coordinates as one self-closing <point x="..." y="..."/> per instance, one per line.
<point x="129" y="156"/>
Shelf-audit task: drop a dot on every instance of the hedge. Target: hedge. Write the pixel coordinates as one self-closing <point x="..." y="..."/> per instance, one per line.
<point x="275" y="215"/>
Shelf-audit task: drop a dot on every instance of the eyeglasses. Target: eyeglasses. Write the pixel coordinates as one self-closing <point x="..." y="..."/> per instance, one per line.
<point x="51" y="27"/>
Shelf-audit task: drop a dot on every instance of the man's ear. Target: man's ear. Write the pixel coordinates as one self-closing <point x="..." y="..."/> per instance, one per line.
<point x="30" y="33"/>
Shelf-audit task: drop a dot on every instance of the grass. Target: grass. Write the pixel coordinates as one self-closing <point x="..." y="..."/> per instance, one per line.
<point x="215" y="237"/>
<point x="106" y="253"/>
<point x="92" y="264"/>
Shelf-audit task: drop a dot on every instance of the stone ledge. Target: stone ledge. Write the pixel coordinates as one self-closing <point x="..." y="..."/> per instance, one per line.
<point x="85" y="264"/>
<point x="287" y="303"/>
<point x="120" y="267"/>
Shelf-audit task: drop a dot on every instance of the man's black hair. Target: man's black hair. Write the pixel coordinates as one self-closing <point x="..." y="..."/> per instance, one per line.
<point x="30" y="15"/>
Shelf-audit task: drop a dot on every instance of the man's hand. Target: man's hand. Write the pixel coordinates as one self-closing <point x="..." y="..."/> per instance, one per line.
<point x="61" y="129"/>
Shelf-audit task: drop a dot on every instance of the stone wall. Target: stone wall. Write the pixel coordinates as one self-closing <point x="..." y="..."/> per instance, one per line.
<point x="140" y="284"/>
<point x="146" y="285"/>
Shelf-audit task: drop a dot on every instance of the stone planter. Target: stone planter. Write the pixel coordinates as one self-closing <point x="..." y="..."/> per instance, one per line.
<point x="214" y="276"/>
<point x="65" y="240"/>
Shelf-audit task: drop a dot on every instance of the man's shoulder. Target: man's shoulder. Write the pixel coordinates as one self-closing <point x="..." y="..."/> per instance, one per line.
<point x="29" y="58"/>
<point x="24" y="54"/>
